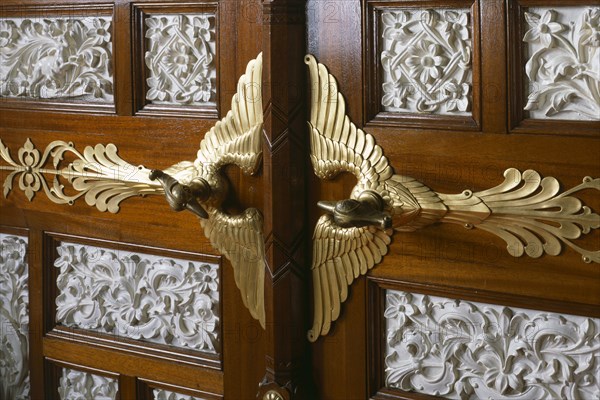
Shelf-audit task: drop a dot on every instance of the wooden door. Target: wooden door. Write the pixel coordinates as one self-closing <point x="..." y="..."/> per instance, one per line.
<point x="455" y="93"/>
<point x="136" y="304"/>
<point x="448" y="311"/>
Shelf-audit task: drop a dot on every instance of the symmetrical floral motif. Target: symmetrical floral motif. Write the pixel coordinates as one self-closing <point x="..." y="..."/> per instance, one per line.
<point x="56" y="58"/>
<point x="99" y="174"/>
<point x="138" y="296"/>
<point x="14" y="318"/>
<point x="161" y="394"/>
<point x="180" y="59"/>
<point x="426" y="58"/>
<point x="563" y="67"/>
<point x="79" y="385"/>
<point x="467" y="350"/>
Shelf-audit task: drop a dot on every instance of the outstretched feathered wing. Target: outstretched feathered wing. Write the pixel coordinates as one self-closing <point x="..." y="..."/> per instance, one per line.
<point x="236" y="139"/>
<point x="336" y="144"/>
<point x="340" y="255"/>
<point x="240" y="239"/>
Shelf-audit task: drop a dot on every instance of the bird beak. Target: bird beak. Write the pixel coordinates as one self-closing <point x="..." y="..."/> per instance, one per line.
<point x="328" y="206"/>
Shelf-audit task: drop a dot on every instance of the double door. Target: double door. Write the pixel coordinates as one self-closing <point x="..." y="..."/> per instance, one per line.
<point x="491" y="290"/>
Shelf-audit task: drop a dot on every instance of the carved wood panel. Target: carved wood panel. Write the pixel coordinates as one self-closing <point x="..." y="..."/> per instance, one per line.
<point x="448" y="155"/>
<point x="112" y="292"/>
<point x="423" y="64"/>
<point x="182" y="43"/>
<point x="61" y="58"/>
<point x="14" y="315"/>
<point x="553" y="67"/>
<point x="176" y="52"/>
<point x="456" y="349"/>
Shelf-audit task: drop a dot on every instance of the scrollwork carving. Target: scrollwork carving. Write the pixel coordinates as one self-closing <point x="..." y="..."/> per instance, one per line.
<point x="461" y="350"/>
<point x="76" y="385"/>
<point x="57" y="58"/>
<point x="138" y="296"/>
<point x="162" y="394"/>
<point x="563" y="66"/>
<point x="14" y="318"/>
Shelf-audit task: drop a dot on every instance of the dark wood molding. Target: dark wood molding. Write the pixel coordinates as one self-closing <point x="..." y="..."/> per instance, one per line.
<point x="283" y="46"/>
<point x="145" y="387"/>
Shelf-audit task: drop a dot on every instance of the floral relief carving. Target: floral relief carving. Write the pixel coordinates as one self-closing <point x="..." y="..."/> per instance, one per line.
<point x="57" y="58"/>
<point x="426" y="59"/>
<point x="563" y="62"/>
<point x="162" y="394"/>
<point x="78" y="385"/>
<point x="14" y="318"/>
<point x="138" y="296"/>
<point x="180" y="59"/>
<point x="465" y="350"/>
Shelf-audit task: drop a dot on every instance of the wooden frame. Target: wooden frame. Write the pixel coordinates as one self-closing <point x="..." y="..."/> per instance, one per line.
<point x="519" y="122"/>
<point x="373" y="112"/>
<point x="110" y="341"/>
<point x="141" y="105"/>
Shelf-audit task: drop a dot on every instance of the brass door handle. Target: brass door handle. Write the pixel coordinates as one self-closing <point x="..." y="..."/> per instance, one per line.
<point x="104" y="179"/>
<point x="183" y="197"/>
<point x="529" y="213"/>
<point x="366" y="210"/>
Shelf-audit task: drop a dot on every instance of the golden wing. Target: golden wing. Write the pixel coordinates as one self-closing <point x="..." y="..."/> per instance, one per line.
<point x="240" y="239"/>
<point x="236" y="139"/>
<point x="336" y="144"/>
<point x="340" y="255"/>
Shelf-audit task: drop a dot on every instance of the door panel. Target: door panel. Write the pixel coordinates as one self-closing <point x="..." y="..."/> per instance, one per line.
<point x="450" y="150"/>
<point x="93" y="67"/>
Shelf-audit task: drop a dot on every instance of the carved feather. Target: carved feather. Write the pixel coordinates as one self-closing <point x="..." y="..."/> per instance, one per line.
<point x="340" y="255"/>
<point x="240" y="239"/>
<point x="236" y="139"/>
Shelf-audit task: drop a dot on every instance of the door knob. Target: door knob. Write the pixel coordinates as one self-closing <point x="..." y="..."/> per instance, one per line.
<point x="105" y="180"/>
<point x="183" y="197"/>
<point x="367" y="210"/>
<point x="529" y="213"/>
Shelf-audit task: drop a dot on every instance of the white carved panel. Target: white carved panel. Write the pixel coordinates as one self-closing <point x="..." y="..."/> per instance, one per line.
<point x="563" y="62"/>
<point x="426" y="58"/>
<point x="180" y="58"/>
<point x="79" y="385"/>
<point x="14" y="318"/>
<point x="468" y="350"/>
<point x="161" y="394"/>
<point x="57" y="58"/>
<point x="138" y="296"/>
